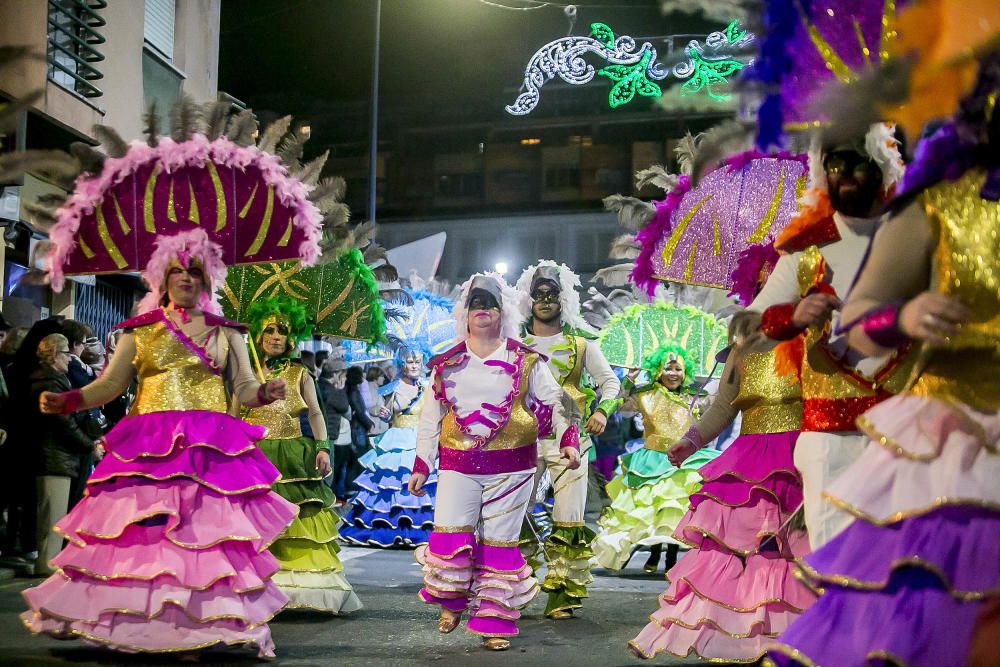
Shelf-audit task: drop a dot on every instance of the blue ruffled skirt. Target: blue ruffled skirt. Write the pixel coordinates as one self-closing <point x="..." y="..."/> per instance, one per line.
<point x="384" y="513"/>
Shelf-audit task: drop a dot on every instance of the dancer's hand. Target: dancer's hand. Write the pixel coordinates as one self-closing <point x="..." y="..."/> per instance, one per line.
<point x="416" y="484"/>
<point x="814" y="310"/>
<point x="275" y="389"/>
<point x="932" y="317"/>
<point x="572" y="456"/>
<point x="51" y="403"/>
<point x="323" y="463"/>
<point x="679" y="451"/>
<point x="596" y="423"/>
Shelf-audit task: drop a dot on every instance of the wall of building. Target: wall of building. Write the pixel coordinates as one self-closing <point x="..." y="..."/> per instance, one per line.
<point x="121" y="106"/>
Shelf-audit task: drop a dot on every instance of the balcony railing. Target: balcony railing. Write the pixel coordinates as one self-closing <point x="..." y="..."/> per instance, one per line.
<point x="74" y="38"/>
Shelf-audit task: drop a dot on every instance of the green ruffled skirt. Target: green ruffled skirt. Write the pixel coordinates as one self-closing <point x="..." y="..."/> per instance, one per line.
<point x="649" y="498"/>
<point x="311" y="573"/>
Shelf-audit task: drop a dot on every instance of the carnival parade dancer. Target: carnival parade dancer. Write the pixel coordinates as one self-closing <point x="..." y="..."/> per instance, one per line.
<point x="555" y="328"/>
<point x="650" y="495"/>
<point x="168" y="549"/>
<point x="311" y="574"/>
<point x="922" y="553"/>
<point x="384" y="513"/>
<point x="491" y="396"/>
<point x="735" y="589"/>
<point x="825" y="245"/>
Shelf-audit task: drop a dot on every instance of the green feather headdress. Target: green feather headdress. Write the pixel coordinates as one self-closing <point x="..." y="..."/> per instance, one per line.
<point x="288" y="311"/>
<point x="664" y="354"/>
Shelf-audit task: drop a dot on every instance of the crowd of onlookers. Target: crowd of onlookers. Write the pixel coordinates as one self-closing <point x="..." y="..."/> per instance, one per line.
<point x="46" y="459"/>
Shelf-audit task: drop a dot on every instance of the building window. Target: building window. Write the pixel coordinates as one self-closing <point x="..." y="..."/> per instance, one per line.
<point x="460" y="185"/>
<point x="73" y="41"/>
<point x="158" y="26"/>
<point x="560" y="178"/>
<point x="161" y="83"/>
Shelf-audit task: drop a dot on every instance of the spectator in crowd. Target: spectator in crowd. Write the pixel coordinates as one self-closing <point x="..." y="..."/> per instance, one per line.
<point x="59" y="444"/>
<point x="361" y="423"/>
<point x="375" y="378"/>
<point x="11" y="342"/>
<point x="320" y="358"/>
<point x="92" y="421"/>
<point x="338" y="422"/>
<point x="309" y="361"/>
<point x="19" y="456"/>
<point x="116" y="409"/>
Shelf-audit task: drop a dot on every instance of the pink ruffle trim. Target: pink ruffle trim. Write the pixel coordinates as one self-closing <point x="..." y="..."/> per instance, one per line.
<point x="194" y="516"/>
<point x="195" y="152"/>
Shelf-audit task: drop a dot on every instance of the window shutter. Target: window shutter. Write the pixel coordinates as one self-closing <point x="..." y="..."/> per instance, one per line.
<point x="159" y="26"/>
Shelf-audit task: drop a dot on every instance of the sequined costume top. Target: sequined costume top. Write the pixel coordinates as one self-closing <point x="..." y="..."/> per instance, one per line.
<point x="834" y="394"/>
<point x="770" y="403"/>
<point x="172" y="376"/>
<point x="665" y="416"/>
<point x="281" y="418"/>
<point x="484" y="415"/>
<point x="406" y="412"/>
<point x="965" y="265"/>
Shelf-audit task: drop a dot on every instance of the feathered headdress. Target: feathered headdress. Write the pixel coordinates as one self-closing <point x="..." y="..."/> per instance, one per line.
<point x="569" y="298"/>
<point x="752" y="270"/>
<point x="257" y="202"/>
<point x="655" y="362"/>
<point x="284" y="310"/>
<point x="190" y="248"/>
<point x="511" y="310"/>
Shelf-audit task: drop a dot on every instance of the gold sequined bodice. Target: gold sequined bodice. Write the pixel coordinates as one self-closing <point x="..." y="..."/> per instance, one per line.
<point x="281" y="418"/>
<point x="664" y="418"/>
<point x="769" y="402"/>
<point x="521" y="429"/>
<point x="172" y="377"/>
<point x="407" y="417"/>
<point x="966" y="265"/>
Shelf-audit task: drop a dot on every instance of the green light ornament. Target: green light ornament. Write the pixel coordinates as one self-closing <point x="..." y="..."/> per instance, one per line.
<point x="631" y="70"/>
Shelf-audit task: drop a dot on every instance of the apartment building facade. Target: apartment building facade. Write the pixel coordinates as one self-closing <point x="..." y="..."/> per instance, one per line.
<point x="96" y="62"/>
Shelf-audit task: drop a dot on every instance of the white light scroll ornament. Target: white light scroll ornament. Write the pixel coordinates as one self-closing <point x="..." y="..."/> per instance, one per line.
<point x="632" y="71"/>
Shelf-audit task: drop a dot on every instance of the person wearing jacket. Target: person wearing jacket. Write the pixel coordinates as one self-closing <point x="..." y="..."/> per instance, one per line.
<point x="61" y="444"/>
<point x="361" y="423"/>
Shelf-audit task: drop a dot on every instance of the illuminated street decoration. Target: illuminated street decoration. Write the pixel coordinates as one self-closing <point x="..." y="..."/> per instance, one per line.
<point x="632" y="71"/>
<point x="704" y="72"/>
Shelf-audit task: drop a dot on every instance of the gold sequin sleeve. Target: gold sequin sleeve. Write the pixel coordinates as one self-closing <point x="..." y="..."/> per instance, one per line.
<point x="316" y="420"/>
<point x="722" y="411"/>
<point x="239" y="372"/>
<point x="898" y="268"/>
<point x="115" y="378"/>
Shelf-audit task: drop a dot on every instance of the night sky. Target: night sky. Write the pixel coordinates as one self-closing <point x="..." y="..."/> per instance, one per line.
<point x="440" y="59"/>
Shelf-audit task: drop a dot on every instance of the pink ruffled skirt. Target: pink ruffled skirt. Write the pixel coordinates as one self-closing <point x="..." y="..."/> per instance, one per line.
<point x="168" y="549"/>
<point x="735" y="589"/>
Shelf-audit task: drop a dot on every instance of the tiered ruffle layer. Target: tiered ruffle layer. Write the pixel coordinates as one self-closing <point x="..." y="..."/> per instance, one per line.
<point x="906" y="582"/>
<point x="568" y="552"/>
<point x="735" y="590"/>
<point x="384" y="513"/>
<point x="494" y="583"/>
<point x="311" y="573"/>
<point x="168" y="549"/>
<point x="649" y="498"/>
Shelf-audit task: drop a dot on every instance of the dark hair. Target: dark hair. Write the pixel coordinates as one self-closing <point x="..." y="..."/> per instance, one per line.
<point x="374" y="373"/>
<point x="76" y="332"/>
<point x="355" y="375"/>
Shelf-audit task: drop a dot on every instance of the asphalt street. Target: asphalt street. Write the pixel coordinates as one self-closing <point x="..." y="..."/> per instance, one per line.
<point x="395" y="628"/>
